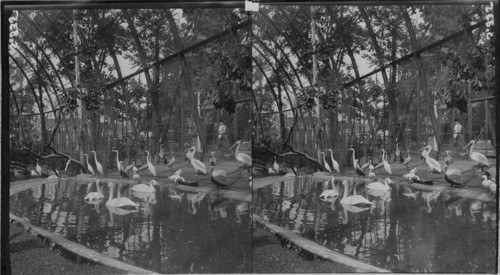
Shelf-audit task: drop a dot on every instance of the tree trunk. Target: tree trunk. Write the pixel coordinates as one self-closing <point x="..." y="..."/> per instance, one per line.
<point x="423" y="80"/>
<point x="187" y="80"/>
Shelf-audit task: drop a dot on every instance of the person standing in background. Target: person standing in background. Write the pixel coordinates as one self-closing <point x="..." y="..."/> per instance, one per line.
<point x="458" y="138"/>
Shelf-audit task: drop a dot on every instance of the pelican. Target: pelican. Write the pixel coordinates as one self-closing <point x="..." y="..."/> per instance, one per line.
<point x="452" y="171"/>
<point x="352" y="200"/>
<point x="380" y="186"/>
<point x="425" y="153"/>
<point x="397" y="153"/>
<point x="91" y="170"/>
<point x="190" y="152"/>
<point x="131" y="166"/>
<point x="118" y="202"/>
<point x="199" y="167"/>
<point x="272" y="171"/>
<point x="370" y="166"/>
<point x="150" y="165"/>
<point x="176" y="178"/>
<point x="38" y="168"/>
<point x="67" y="164"/>
<point x="245" y="159"/>
<point x="371" y="174"/>
<point x="136" y="176"/>
<point x="171" y="162"/>
<point x="212" y="160"/>
<point x="410" y="176"/>
<point x="218" y="177"/>
<point x="276" y="167"/>
<point x="34" y="173"/>
<point x="97" y="164"/>
<point x="94" y="196"/>
<point x="407" y="159"/>
<point x="353" y="158"/>
<point x="327" y="166"/>
<point x="366" y="165"/>
<point x="117" y="160"/>
<point x="358" y="169"/>
<point x="161" y="154"/>
<point x="145" y="188"/>
<point x="329" y="193"/>
<point x="335" y="164"/>
<point x="476" y="156"/>
<point x="123" y="173"/>
<point x="493" y="188"/>
<point x="432" y="163"/>
<point x="387" y="167"/>
<point x="178" y="172"/>
<point x="454" y="180"/>
<point x="486" y="182"/>
<point x="447" y="159"/>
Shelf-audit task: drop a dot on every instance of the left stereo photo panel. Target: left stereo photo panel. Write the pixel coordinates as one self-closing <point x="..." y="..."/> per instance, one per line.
<point x="130" y="135"/>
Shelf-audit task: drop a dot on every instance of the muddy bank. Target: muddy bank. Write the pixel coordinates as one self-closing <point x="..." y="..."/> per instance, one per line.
<point x="30" y="255"/>
<point x="270" y="256"/>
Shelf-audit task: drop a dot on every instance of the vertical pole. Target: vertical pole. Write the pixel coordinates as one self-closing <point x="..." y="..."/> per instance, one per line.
<point x="315" y="75"/>
<point x="418" y="114"/>
<point x="469" y="113"/>
<point x="79" y="126"/>
<point x="486" y="127"/>
<point x="182" y="117"/>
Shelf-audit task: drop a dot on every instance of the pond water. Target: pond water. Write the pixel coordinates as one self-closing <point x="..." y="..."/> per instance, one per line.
<point x="171" y="232"/>
<point x="404" y="230"/>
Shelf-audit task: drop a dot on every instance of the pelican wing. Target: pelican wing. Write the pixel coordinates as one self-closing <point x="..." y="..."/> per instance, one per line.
<point x="434" y="164"/>
<point x="480" y="158"/>
<point x="198" y="166"/>
<point x="244" y="158"/>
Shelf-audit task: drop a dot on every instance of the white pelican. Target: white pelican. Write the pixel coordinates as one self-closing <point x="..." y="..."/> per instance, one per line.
<point x="97" y="164"/>
<point x="34" y="173"/>
<point x="335" y="164"/>
<point x="398" y="153"/>
<point x="452" y="171"/>
<point x="117" y="160"/>
<point x="476" y="156"/>
<point x="91" y="170"/>
<point x="353" y="157"/>
<point x="380" y="186"/>
<point x="387" y="167"/>
<point x="67" y="164"/>
<point x="371" y="174"/>
<point x="218" y="177"/>
<point x="366" y="165"/>
<point x="136" y="176"/>
<point x="276" y="166"/>
<point x="151" y="167"/>
<point x="425" y="153"/>
<point x="38" y="168"/>
<point x="213" y="160"/>
<point x="329" y="193"/>
<point x="171" y="162"/>
<point x="352" y="200"/>
<point x="452" y="179"/>
<point x="94" y="196"/>
<point x="432" y="163"/>
<point x="190" y="152"/>
<point x="486" y="182"/>
<point x="407" y="159"/>
<point x="176" y="178"/>
<point x="447" y="159"/>
<point x="272" y="171"/>
<point x="178" y="172"/>
<point x="410" y="176"/>
<point x="327" y="166"/>
<point x="245" y="159"/>
<point x="198" y="166"/>
<point x="118" y="202"/>
<point x="145" y="187"/>
<point x="493" y="188"/>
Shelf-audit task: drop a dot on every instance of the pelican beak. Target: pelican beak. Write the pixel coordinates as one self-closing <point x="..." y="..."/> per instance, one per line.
<point x="232" y="146"/>
<point x="422" y="149"/>
<point x="467" y="145"/>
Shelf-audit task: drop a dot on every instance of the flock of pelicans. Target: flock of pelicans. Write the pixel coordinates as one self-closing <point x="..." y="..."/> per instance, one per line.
<point x="217" y="177"/>
<point x="451" y="175"/>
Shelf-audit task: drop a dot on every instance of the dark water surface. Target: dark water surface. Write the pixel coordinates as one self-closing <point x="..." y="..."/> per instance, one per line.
<point x="173" y="231"/>
<point x="403" y="230"/>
